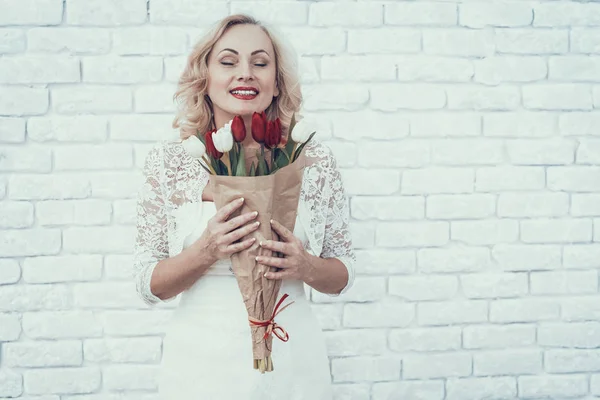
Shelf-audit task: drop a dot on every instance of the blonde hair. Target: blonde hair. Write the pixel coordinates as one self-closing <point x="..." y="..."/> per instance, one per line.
<point x="195" y="112"/>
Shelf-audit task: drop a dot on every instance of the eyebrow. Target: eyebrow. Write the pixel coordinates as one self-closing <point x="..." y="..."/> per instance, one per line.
<point x="253" y="53"/>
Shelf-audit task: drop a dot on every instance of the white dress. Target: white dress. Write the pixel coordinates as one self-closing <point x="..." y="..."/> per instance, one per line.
<point x="207" y="351"/>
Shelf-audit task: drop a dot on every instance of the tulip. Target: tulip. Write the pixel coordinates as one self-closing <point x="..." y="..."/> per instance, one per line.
<point x="210" y="146"/>
<point x="301" y="131"/>
<point x="273" y="135"/>
<point x="194" y="147"/>
<point x="238" y="128"/>
<point x="223" y="139"/>
<point x="259" y="126"/>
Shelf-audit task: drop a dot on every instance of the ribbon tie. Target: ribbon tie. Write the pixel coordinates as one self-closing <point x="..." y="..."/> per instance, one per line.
<point x="271" y="325"/>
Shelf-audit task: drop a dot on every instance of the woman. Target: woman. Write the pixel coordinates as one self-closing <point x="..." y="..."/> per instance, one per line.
<point x="183" y="244"/>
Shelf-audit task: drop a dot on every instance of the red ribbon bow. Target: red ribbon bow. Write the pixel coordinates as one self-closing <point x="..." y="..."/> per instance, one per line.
<point x="271" y="325"/>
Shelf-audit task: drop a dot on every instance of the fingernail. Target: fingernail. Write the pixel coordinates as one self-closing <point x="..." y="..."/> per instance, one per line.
<point x="255" y="213"/>
<point x="257" y="223"/>
<point x="256" y="258"/>
<point x="260" y="244"/>
<point x="265" y="275"/>
<point x="271" y="221"/>
<point x="241" y="200"/>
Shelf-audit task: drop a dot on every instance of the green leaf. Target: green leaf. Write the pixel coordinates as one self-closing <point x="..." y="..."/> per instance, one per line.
<point x="232" y="161"/>
<point x="241" y="164"/>
<point x="252" y="169"/>
<point x="201" y="137"/>
<point x="223" y="168"/>
<point x="215" y="166"/>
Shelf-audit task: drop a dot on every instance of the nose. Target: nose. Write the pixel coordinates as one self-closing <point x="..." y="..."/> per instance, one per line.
<point x="245" y="72"/>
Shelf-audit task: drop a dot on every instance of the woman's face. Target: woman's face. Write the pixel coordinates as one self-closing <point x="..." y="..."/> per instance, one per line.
<point x="242" y="58"/>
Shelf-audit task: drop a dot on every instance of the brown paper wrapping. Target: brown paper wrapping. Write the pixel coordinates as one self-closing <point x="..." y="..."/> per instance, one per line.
<point x="275" y="197"/>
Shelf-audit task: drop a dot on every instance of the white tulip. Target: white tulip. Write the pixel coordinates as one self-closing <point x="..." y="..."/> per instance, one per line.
<point x="194" y="147"/>
<point x="223" y="139"/>
<point x="302" y="131"/>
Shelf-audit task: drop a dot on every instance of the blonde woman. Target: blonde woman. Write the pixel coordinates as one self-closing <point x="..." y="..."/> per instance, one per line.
<point x="183" y="244"/>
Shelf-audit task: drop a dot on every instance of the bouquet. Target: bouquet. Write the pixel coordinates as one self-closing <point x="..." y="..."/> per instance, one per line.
<point x="269" y="185"/>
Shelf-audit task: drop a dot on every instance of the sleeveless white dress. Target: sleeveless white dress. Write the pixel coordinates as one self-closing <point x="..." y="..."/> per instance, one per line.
<point x="207" y="350"/>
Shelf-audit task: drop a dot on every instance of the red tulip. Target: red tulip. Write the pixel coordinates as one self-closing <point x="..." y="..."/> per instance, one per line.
<point x="273" y="136"/>
<point x="210" y="146"/>
<point x="259" y="126"/>
<point x="238" y="129"/>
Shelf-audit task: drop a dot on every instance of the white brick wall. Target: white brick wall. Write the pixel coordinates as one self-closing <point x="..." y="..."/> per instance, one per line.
<point x="468" y="135"/>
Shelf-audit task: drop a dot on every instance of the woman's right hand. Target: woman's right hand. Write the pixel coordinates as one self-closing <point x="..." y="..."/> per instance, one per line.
<point x="220" y="235"/>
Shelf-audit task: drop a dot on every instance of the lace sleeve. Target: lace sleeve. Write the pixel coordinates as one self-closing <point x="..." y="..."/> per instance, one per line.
<point x="151" y="240"/>
<point x="337" y="242"/>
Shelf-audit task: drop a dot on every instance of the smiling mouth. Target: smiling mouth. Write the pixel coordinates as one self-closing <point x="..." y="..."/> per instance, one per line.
<point x="244" y="94"/>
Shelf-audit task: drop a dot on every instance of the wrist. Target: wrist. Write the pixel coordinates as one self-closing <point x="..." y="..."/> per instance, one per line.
<point x="200" y="255"/>
<point x="310" y="275"/>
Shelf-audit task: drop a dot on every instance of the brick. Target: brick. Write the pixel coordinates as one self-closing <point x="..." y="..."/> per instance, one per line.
<point x="361" y="342"/>
<point x="532" y="41"/>
<point x="140" y="128"/>
<point x="387" y="262"/>
<point x="468" y="206"/>
<point x="421" y="13"/>
<point x="384" y="40"/>
<point x="25" y="159"/>
<point x="11" y="383"/>
<point x="98" y="239"/>
<point x="425" y="340"/>
<point x="329" y="316"/>
<point x="125" y="212"/>
<point x="445" y="124"/>
<point x="154" y="98"/>
<point x="349" y="68"/>
<point x="130" y="377"/>
<point x="476" y="15"/>
<point x="370" y="182"/>
<point x="414" y="390"/>
<point x="387" y="208"/>
<point x="588" y="152"/>
<point x="553" y="386"/>
<point x="529" y="205"/>
<point x="62" y="269"/>
<point x="345" y="14"/>
<point x="411" y="154"/>
<point x="369" y="369"/>
<point x="485" y="232"/>
<point x="502" y="69"/>
<point x="556" y="230"/>
<point x="15" y="100"/>
<point x="483" y="98"/>
<point x="566" y="14"/>
<point x="111" y="69"/>
<point x="39" y="12"/>
<point x="123" y="350"/>
<point x="43" y="354"/>
<point x="16" y="214"/>
<point x="101" y="157"/>
<point x="434" y="180"/>
<point x="309" y="41"/>
<point x="63" y="380"/>
<point x="365" y="289"/>
<point x="106" y="13"/>
<point x="186" y="12"/>
<point x="39" y="69"/>
<point x="468" y="151"/>
<point x="420" y="288"/>
<point x="134" y="323"/>
<point x="557" y="96"/>
<point x="10" y="271"/>
<point x="477" y="388"/>
<point x="74" y="212"/>
<point x="517" y="257"/>
<point x="563" y="282"/>
<point x="369" y="124"/>
<point x="582" y="335"/>
<point x="523" y="310"/>
<point x="426" y="366"/>
<point x="581" y="256"/>
<point x="45" y="187"/>
<point x="503" y="362"/>
<point x="412" y="234"/>
<point x="363" y="235"/>
<point x="433" y="69"/>
<point x="149" y="41"/>
<point x="402" y="96"/>
<point x="81" y="128"/>
<point x="495" y="285"/>
<point x="520" y="124"/>
<point x="85" y="99"/>
<point x="352" y="391"/>
<point x="574" y="179"/>
<point x="581" y="308"/>
<point x="106" y="295"/>
<point x="73" y="40"/>
<point x="118" y="266"/>
<point x="33" y="297"/>
<point x="284" y="13"/>
<point x="452" y="312"/>
<point x="10" y="327"/>
<point x="579" y="124"/>
<point x="574" y="68"/>
<point x="30" y="242"/>
<point x="12" y="41"/>
<point x="385" y="313"/>
<point x="498" y="337"/>
<point x="585" y="40"/>
<point x="335" y="97"/>
<point x="572" y="360"/>
<point x="12" y="130"/>
<point x="61" y="324"/>
<point x="458" y="42"/>
<point x="503" y="178"/>
<point x="457" y="258"/>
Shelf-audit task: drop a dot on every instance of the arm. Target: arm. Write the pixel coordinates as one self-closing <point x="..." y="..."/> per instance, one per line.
<point x="333" y="271"/>
<point x="158" y="277"/>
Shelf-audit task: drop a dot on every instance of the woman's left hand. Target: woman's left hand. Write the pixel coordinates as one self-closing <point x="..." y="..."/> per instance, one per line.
<point x="295" y="264"/>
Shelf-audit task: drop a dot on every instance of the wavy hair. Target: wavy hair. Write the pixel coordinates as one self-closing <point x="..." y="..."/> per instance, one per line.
<point x="195" y="113"/>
